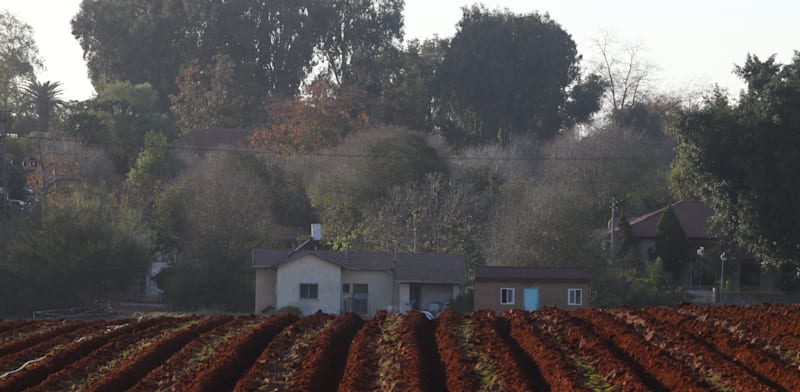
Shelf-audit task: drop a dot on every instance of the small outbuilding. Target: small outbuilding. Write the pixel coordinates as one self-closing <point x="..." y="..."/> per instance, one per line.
<point x="530" y="288"/>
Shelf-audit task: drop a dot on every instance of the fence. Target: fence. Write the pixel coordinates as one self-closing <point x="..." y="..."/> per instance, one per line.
<point x="85" y="312"/>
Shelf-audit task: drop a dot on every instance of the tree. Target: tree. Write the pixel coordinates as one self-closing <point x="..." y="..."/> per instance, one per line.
<point x="117" y="120"/>
<point x="44" y="98"/>
<point x="87" y="246"/>
<point x="343" y="181"/>
<point x="323" y="118"/>
<point x="153" y="168"/>
<point x="740" y="158"/>
<point x="627" y="76"/>
<point x="408" y="86"/>
<point x="437" y="214"/>
<point x="538" y="224"/>
<point x="211" y="219"/>
<point x="19" y="57"/>
<point x="356" y="33"/>
<point x="142" y="41"/>
<point x="506" y="74"/>
<point x="670" y="243"/>
<point x="139" y="41"/>
<point x="211" y="98"/>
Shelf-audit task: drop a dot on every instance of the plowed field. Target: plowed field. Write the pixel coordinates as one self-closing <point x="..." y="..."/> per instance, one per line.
<point x="685" y="348"/>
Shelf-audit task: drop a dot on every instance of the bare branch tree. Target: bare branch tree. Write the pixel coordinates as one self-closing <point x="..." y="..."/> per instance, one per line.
<point x="628" y="75"/>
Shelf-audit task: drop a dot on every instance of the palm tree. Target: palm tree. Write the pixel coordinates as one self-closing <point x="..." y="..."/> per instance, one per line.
<point x="44" y="98"/>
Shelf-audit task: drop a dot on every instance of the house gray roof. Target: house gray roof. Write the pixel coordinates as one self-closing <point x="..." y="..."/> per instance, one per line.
<point x="408" y="267"/>
<point x="491" y="273"/>
<point x="693" y="216"/>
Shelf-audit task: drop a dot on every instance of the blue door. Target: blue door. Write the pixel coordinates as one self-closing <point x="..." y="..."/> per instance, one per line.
<point x="531" y="299"/>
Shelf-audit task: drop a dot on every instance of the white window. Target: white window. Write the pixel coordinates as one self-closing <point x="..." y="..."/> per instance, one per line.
<point x="308" y="290"/>
<point x="574" y="296"/>
<point x="506" y="296"/>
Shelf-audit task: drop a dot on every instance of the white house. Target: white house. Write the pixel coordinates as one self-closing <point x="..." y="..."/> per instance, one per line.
<point x="360" y="282"/>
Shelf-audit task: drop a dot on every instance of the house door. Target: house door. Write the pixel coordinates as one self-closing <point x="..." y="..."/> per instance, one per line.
<point x="414" y="296"/>
<point x="531" y="298"/>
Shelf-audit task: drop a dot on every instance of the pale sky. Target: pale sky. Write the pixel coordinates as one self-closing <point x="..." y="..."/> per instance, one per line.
<point x="694" y="43"/>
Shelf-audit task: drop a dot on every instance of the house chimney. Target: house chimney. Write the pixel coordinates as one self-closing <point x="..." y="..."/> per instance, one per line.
<point x="316" y="231"/>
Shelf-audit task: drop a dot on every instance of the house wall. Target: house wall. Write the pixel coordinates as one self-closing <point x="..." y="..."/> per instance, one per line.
<point x="265" y="289"/>
<point x="430" y="293"/>
<point x="441" y="293"/>
<point x="487" y="294"/>
<point x="379" y="285"/>
<point x="310" y="269"/>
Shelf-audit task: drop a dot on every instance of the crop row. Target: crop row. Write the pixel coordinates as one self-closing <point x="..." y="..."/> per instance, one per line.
<point x="691" y="348"/>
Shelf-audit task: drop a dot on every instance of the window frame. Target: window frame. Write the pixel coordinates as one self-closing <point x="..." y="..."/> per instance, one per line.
<point x="575" y="297"/>
<point x="504" y="296"/>
<point x="307" y="293"/>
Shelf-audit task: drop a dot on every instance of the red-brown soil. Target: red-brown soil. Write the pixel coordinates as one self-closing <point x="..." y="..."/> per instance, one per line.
<point x="687" y="348"/>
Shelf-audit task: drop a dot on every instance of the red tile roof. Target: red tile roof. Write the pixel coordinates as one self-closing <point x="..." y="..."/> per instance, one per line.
<point x="693" y="216"/>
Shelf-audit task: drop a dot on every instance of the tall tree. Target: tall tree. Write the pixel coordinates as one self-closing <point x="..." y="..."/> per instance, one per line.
<point x="211" y="97"/>
<point x="211" y="219"/>
<point x="343" y="181"/>
<point x="628" y="76"/>
<point x="506" y="74"/>
<point x="741" y="158"/>
<point x="320" y="119"/>
<point x="145" y="41"/>
<point x="87" y="246"/>
<point x="139" y="41"/>
<point x="19" y="57"/>
<point x="357" y="32"/>
<point x="671" y="243"/>
<point x="44" y="98"/>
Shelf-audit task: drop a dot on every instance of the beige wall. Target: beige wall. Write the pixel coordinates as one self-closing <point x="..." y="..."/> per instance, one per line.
<point x="265" y="289"/>
<point x="487" y="295"/>
<point x="379" y="287"/>
<point x="310" y="269"/>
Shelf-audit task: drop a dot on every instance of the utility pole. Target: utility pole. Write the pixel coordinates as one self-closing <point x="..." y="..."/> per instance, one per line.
<point x="613" y="225"/>
<point x="5" y="119"/>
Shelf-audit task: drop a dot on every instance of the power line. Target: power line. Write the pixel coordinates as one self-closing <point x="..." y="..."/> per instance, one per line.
<point x="319" y="154"/>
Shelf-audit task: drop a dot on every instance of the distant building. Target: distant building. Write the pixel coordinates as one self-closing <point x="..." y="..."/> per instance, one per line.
<point x="530" y="288"/>
<point x="360" y="282"/>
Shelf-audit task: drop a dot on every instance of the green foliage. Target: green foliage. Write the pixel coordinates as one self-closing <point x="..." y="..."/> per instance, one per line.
<point x="154" y="166"/>
<point x="286" y="309"/>
<point x="506" y="74"/>
<point x="741" y="158"/>
<point x="622" y="289"/>
<point x="437" y="215"/>
<point x="408" y="87"/>
<point x="118" y="119"/>
<point x="585" y="98"/>
<point x="464" y="302"/>
<point x="625" y="237"/>
<point x="212" y="219"/>
<point x="671" y="243"/>
<point x="150" y="41"/>
<point x="342" y="190"/>
<point x="19" y="57"/>
<point x="356" y="33"/>
<point x="44" y="98"/>
<point x="86" y="246"/>
<point x="210" y="97"/>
